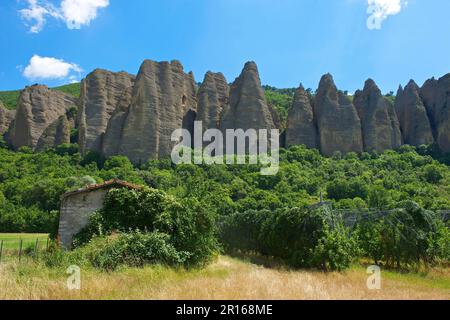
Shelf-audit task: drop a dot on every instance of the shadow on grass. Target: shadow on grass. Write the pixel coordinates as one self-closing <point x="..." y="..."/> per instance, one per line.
<point x="259" y="260"/>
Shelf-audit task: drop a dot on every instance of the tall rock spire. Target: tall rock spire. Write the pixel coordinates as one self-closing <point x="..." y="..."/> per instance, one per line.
<point x="37" y="109"/>
<point x="436" y="98"/>
<point x="213" y="97"/>
<point x="162" y="97"/>
<point x="338" y="122"/>
<point x="380" y="126"/>
<point x="101" y="93"/>
<point x="301" y="128"/>
<point x="412" y="115"/>
<point x="248" y="108"/>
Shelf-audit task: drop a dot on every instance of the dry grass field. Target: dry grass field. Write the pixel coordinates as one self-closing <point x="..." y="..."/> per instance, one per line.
<point x="227" y="278"/>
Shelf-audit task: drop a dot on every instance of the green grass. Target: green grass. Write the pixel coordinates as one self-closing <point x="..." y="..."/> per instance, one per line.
<point x="11" y="241"/>
<point x="72" y="89"/>
<point x="10" y="98"/>
<point x="439" y="279"/>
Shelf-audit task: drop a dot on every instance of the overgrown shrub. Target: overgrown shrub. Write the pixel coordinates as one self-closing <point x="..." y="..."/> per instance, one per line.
<point x="405" y="237"/>
<point x="189" y="226"/>
<point x="300" y="237"/>
<point x="134" y="249"/>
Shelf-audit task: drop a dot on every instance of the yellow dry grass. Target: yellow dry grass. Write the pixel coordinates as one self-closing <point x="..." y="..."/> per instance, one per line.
<point x="227" y="278"/>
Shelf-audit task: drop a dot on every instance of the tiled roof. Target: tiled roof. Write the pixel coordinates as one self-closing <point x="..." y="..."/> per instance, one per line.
<point x="107" y="185"/>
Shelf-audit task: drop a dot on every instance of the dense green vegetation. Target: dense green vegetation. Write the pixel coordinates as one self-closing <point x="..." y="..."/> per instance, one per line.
<point x="180" y="232"/>
<point x="281" y="100"/>
<point x="10" y="98"/>
<point x="408" y="237"/>
<point x="31" y="185"/>
<point x="72" y="89"/>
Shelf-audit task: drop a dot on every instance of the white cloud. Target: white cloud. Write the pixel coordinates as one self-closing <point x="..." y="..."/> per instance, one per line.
<point x="47" y="68"/>
<point x="38" y="12"/>
<point x="75" y="13"/>
<point x="380" y="10"/>
<point x="81" y="12"/>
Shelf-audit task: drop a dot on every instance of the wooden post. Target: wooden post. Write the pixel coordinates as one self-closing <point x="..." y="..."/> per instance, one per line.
<point x="1" y="250"/>
<point x="20" y="249"/>
<point x="36" y="247"/>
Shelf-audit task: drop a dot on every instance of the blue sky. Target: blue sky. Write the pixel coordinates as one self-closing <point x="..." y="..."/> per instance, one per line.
<point x="292" y="41"/>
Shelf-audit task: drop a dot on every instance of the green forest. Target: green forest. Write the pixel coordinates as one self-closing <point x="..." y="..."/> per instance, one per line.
<point x="236" y="201"/>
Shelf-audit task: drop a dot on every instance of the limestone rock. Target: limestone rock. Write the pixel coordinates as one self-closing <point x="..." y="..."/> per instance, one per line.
<point x="338" y="122"/>
<point x="412" y="115"/>
<point x="56" y="134"/>
<point x="380" y="125"/>
<point x="436" y="98"/>
<point x="248" y="108"/>
<point x="38" y="108"/>
<point x="102" y="92"/>
<point x="6" y="117"/>
<point x="213" y="97"/>
<point x="163" y="95"/>
<point x="113" y="134"/>
<point x="301" y="128"/>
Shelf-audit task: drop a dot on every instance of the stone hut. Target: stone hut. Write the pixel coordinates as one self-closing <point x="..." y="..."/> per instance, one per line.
<point x="78" y="206"/>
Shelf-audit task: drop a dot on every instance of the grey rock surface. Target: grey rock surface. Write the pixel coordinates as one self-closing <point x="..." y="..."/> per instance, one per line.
<point x="163" y="95"/>
<point x="436" y="98"/>
<point x="37" y="109"/>
<point x="380" y="125"/>
<point x="102" y="92"/>
<point x="412" y="115"/>
<point x="301" y="127"/>
<point x="338" y="123"/>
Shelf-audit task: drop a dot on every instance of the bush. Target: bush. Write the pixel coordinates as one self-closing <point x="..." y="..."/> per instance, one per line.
<point x="133" y="249"/>
<point x="335" y="250"/>
<point x="189" y="226"/>
<point x="300" y="237"/>
<point x="405" y="237"/>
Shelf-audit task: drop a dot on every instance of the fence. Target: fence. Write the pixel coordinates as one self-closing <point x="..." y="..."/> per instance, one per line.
<point x="351" y="217"/>
<point x="21" y="248"/>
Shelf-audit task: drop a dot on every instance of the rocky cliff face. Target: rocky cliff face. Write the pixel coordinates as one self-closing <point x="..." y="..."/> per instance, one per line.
<point x="380" y="126"/>
<point x="6" y="117"/>
<point x="301" y="127"/>
<point x="38" y="108"/>
<point x="412" y="115"/>
<point x="163" y="95"/>
<point x="213" y="97"/>
<point x="56" y="134"/>
<point x="248" y="108"/>
<point x="102" y="92"/>
<point x="338" y="122"/>
<point x="436" y="98"/>
<point x="119" y="114"/>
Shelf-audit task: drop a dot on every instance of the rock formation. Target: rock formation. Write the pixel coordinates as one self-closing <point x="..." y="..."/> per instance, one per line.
<point x="379" y="122"/>
<point x="338" y="122"/>
<point x="37" y="109"/>
<point x="102" y="92"/>
<point x="436" y="98"/>
<point x="412" y="115"/>
<point x="301" y="128"/>
<point x="119" y="114"/>
<point x="56" y="134"/>
<point x="163" y="95"/>
<point x="248" y="108"/>
<point x="213" y="97"/>
<point x="6" y="117"/>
